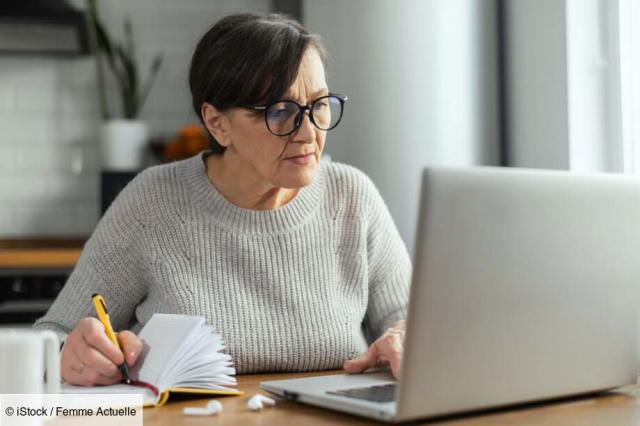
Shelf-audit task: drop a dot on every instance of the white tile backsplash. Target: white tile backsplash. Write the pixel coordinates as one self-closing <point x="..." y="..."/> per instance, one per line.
<point x="21" y="186"/>
<point x="7" y="221"/>
<point x="70" y="187"/>
<point x="18" y="129"/>
<point x="46" y="219"/>
<point x="7" y="159"/>
<point x="41" y="158"/>
<point x="77" y="102"/>
<point x="6" y="99"/>
<point x="41" y="98"/>
<point x="79" y="130"/>
<point x="49" y="114"/>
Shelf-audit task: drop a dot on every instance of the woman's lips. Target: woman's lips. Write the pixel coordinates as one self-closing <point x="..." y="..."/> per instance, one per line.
<point x="301" y="159"/>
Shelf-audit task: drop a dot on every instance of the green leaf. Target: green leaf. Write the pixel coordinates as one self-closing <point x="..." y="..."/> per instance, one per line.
<point x="131" y="78"/>
<point x="103" y="39"/>
<point x="128" y="37"/>
<point x="153" y="73"/>
<point x="120" y="59"/>
<point x="92" y="17"/>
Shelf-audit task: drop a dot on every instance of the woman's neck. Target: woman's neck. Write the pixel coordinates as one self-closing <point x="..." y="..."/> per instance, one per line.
<point x="241" y="185"/>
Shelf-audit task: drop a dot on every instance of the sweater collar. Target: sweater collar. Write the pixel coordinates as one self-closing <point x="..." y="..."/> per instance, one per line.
<point x="284" y="218"/>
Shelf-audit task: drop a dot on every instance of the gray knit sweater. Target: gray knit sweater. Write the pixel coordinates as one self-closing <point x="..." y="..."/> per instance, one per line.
<point x="298" y="288"/>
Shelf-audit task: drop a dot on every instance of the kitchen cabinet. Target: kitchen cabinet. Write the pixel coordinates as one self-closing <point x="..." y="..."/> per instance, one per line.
<point x="32" y="273"/>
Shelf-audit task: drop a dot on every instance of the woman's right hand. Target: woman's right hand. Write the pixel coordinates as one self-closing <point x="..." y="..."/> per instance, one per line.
<point x="89" y="358"/>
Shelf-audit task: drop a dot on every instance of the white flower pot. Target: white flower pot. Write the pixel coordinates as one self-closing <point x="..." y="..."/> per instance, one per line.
<point x="124" y="143"/>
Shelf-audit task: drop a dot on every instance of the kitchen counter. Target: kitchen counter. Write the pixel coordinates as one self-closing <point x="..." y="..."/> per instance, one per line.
<point x="32" y="273"/>
<point x="41" y="253"/>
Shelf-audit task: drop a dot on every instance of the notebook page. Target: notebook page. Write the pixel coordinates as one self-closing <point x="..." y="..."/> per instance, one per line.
<point x="147" y="396"/>
<point x="199" y="343"/>
<point x="162" y="336"/>
<point x="205" y="367"/>
<point x="191" y="345"/>
<point x="179" y="351"/>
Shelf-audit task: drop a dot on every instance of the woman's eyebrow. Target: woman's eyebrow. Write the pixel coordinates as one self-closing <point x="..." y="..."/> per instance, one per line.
<point x="322" y="91"/>
<point x="314" y="95"/>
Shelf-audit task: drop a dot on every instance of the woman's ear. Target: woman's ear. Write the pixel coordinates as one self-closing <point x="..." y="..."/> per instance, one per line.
<point x="216" y="122"/>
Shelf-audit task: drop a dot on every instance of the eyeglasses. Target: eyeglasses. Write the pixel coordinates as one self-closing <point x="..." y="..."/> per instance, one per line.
<point x="284" y="117"/>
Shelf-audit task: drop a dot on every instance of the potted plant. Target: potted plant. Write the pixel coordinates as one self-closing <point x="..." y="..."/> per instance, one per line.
<point x="124" y="135"/>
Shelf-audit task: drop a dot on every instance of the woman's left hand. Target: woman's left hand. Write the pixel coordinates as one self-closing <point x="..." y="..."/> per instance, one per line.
<point x="386" y="351"/>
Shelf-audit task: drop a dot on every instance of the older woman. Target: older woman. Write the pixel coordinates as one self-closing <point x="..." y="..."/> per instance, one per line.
<point x="295" y="261"/>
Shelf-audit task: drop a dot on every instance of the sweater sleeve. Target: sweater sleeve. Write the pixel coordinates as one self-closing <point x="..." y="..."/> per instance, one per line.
<point x="389" y="268"/>
<point x="113" y="263"/>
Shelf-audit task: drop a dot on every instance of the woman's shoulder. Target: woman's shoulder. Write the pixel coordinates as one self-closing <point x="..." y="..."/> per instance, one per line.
<point x="349" y="184"/>
<point x="161" y="174"/>
<point x="152" y="187"/>
<point x="347" y="175"/>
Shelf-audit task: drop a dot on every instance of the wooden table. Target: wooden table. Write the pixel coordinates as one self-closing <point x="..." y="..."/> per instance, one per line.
<point x="620" y="407"/>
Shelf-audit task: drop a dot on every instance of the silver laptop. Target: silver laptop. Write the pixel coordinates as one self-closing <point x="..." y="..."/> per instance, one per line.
<point x="525" y="288"/>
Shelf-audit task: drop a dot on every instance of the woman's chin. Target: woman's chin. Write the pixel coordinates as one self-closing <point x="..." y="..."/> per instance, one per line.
<point x="299" y="179"/>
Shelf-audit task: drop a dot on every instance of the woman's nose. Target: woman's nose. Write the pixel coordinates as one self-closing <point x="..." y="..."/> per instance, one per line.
<point x="306" y="132"/>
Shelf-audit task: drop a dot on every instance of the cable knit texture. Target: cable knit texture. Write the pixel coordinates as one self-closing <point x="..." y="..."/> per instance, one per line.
<point x="298" y="288"/>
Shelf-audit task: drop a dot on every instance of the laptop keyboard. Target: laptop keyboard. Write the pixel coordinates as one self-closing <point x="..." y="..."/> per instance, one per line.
<point x="378" y="393"/>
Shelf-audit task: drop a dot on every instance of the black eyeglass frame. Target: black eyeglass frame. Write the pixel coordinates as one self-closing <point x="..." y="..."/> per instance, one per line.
<point x="302" y="109"/>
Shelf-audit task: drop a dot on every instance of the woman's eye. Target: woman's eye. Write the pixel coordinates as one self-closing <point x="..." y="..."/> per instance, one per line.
<point x="280" y="113"/>
<point x="321" y="105"/>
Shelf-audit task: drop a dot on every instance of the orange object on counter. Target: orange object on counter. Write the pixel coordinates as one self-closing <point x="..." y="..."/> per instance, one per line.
<point x="191" y="140"/>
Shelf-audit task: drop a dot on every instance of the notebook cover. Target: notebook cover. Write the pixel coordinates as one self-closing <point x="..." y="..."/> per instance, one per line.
<point x="164" y="395"/>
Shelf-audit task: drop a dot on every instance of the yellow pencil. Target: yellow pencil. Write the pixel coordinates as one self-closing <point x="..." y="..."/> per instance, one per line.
<point x="103" y="316"/>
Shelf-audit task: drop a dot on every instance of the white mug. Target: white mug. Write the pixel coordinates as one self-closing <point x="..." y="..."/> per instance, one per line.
<point x="25" y="357"/>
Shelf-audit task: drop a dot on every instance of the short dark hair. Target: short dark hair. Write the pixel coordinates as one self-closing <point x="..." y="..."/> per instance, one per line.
<point x="247" y="59"/>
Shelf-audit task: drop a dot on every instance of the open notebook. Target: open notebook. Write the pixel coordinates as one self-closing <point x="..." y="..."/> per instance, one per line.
<point x="181" y="355"/>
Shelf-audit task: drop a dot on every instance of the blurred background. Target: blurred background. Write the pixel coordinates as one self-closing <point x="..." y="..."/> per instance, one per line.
<point x="519" y="83"/>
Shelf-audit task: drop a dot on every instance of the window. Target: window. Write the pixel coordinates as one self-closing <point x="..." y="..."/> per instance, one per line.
<point x="629" y="79"/>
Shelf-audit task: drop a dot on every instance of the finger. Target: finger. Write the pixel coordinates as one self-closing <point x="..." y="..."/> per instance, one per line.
<point x="96" y="361"/>
<point x="74" y="377"/>
<point x="69" y="367"/>
<point x="100" y="379"/>
<point x="70" y="362"/>
<point x="130" y="345"/>
<point x="75" y="372"/>
<point x="89" y="377"/>
<point x="391" y="347"/>
<point x="400" y="326"/>
<point x="364" y="361"/>
<point x="94" y="335"/>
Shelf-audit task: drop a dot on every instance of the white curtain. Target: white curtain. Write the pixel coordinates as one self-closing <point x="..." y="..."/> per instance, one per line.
<point x="563" y="84"/>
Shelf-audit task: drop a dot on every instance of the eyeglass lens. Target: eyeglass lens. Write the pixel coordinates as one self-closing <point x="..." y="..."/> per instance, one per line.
<point x="283" y="117"/>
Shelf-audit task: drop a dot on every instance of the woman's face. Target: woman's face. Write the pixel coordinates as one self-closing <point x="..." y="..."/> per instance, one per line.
<point x="287" y="161"/>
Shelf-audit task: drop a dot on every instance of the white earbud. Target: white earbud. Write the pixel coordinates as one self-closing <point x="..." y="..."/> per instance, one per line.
<point x="213" y="407"/>
<point x="256" y="402"/>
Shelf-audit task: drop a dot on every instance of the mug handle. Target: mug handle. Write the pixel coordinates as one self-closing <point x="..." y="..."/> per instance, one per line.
<point x="52" y="362"/>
